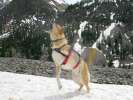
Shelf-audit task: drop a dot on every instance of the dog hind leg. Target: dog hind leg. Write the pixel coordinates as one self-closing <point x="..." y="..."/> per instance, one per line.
<point x="81" y="86"/>
<point x="87" y="87"/>
<point x="85" y="77"/>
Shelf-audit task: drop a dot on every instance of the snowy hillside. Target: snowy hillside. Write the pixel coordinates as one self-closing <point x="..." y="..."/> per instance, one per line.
<point x="29" y="87"/>
<point x="60" y="1"/>
<point x="67" y="1"/>
<point x="58" y="5"/>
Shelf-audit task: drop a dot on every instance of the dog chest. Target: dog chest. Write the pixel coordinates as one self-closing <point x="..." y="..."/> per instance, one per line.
<point x="57" y="57"/>
<point x="72" y="59"/>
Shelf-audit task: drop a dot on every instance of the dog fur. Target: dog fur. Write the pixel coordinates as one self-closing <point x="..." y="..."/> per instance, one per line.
<point x="83" y="78"/>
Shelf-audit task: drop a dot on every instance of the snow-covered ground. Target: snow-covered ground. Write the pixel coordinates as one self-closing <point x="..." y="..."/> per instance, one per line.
<point x="29" y="87"/>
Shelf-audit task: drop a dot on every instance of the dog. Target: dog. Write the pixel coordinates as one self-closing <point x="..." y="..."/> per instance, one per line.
<point x="65" y="57"/>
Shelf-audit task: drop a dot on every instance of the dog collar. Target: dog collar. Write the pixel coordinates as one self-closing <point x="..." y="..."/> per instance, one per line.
<point x="57" y="40"/>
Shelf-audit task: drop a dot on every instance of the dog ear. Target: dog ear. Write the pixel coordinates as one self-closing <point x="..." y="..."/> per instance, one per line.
<point x="54" y="25"/>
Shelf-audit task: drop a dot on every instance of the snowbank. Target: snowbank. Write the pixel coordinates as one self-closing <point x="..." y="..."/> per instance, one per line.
<point x="29" y="87"/>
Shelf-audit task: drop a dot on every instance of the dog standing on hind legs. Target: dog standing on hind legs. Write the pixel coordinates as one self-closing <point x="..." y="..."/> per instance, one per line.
<point x="65" y="57"/>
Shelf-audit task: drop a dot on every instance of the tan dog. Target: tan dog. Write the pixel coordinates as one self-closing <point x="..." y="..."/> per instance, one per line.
<point x="65" y="57"/>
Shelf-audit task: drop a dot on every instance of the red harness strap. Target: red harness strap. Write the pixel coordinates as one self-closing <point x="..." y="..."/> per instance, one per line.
<point x="66" y="59"/>
<point x="76" y="65"/>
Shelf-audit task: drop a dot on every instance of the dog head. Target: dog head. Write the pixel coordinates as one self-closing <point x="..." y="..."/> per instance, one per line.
<point x="57" y="32"/>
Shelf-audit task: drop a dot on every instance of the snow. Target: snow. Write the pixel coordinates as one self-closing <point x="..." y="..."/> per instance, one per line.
<point x="107" y="32"/>
<point x="112" y="16"/>
<point x="99" y="40"/>
<point x="129" y="64"/>
<point x="26" y="21"/>
<point x="32" y="20"/>
<point x="29" y="87"/>
<point x="7" y="1"/>
<point x="90" y="26"/>
<point x="95" y="8"/>
<point x="107" y="1"/>
<point x="5" y="35"/>
<point x="77" y="45"/>
<point x="72" y="1"/>
<point x="82" y="27"/>
<point x="87" y="13"/>
<point x="94" y="45"/>
<point x="90" y="3"/>
<point x="116" y="63"/>
<point x="51" y="2"/>
<point x="60" y="1"/>
<point x="34" y="17"/>
<point x="67" y="1"/>
<point x="126" y="36"/>
<point x="43" y="22"/>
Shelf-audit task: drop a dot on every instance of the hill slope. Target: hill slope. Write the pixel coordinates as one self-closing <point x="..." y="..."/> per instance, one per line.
<point x="29" y="87"/>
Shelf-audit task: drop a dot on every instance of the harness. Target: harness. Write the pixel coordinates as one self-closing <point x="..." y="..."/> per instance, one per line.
<point x="66" y="56"/>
